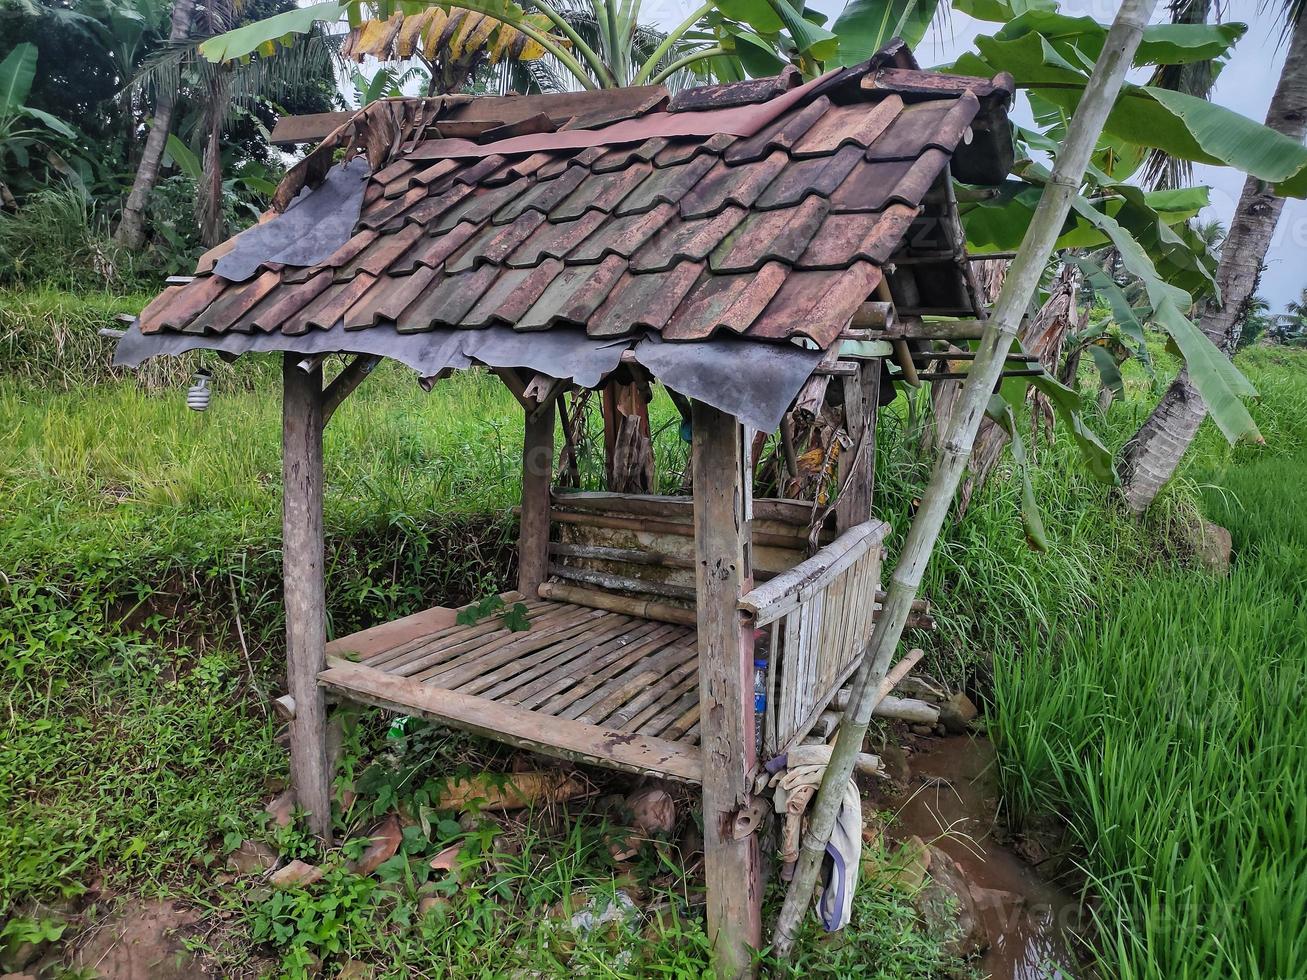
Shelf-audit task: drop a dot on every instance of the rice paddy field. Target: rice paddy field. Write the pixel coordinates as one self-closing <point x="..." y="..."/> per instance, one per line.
<point x="1148" y="711"/>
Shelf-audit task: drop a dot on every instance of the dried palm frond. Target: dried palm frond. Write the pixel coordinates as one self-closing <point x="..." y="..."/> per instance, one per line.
<point x="456" y="35"/>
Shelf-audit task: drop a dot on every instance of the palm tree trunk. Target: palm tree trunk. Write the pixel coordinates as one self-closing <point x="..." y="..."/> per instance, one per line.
<point x="1150" y="458"/>
<point x="131" y="226"/>
<point x="209" y="198"/>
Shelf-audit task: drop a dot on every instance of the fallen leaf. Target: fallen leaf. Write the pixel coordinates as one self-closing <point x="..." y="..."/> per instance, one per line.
<point x="281" y="808"/>
<point x="511" y="791"/>
<point x="447" y="860"/>
<point x="386" y="838"/>
<point x="296" y="873"/>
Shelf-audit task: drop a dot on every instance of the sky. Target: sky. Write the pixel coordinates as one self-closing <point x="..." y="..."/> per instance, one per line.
<point x="1245" y="85"/>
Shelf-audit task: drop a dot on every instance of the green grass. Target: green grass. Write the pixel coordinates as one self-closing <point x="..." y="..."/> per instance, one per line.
<point x="1167" y="728"/>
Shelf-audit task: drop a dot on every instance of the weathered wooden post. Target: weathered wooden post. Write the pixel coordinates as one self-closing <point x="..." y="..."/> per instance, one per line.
<point x="723" y="575"/>
<point x="537" y="470"/>
<point x="305" y="590"/>
<point x="857" y="470"/>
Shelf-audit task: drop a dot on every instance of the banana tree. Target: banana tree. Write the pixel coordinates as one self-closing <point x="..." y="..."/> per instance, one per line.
<point x="23" y="128"/>
<point x="724" y="38"/>
<point x="1048" y="53"/>
<point x="452" y="45"/>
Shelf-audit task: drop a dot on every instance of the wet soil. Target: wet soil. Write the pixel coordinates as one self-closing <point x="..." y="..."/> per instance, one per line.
<point x="951" y="801"/>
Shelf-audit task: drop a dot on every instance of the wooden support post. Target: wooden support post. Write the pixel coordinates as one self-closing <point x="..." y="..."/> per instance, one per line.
<point x="537" y="469"/>
<point x="721" y="541"/>
<point x="628" y="445"/>
<point x="305" y="592"/>
<point x="353" y="375"/>
<point x="857" y="473"/>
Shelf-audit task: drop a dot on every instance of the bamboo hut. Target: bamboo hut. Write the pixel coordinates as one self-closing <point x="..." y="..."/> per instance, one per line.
<point x="779" y="255"/>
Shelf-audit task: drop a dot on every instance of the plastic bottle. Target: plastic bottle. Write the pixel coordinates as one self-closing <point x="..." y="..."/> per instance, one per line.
<point x="759" y="701"/>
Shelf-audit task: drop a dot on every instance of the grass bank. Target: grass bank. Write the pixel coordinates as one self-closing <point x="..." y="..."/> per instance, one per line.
<point x="1166" y="727"/>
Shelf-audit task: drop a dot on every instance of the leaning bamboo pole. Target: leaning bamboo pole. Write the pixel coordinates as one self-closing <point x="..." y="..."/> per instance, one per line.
<point x="1022" y="280"/>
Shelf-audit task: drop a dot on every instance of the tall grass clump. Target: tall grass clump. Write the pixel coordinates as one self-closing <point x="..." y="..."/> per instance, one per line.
<point x="1167" y="731"/>
<point x="58" y="239"/>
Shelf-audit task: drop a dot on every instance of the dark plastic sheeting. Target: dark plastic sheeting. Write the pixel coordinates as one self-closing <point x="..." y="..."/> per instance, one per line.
<point x="317" y="223"/>
<point x="756" y="382"/>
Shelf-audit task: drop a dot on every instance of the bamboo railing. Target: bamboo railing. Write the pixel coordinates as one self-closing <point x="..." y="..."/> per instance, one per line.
<point x="819" y="618"/>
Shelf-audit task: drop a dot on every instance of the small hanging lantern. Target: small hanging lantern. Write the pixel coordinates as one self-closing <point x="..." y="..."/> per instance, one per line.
<point x="197" y="396"/>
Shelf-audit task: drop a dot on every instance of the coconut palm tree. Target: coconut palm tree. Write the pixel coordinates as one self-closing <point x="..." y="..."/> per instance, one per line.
<point x="130" y="232"/>
<point x="1161" y="169"/>
<point x="1152" y="455"/>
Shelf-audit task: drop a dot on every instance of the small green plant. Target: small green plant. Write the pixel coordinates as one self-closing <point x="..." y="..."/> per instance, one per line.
<point x="479" y="610"/>
<point x="314" y="922"/>
<point x="21" y="929"/>
<point x="516" y="618"/>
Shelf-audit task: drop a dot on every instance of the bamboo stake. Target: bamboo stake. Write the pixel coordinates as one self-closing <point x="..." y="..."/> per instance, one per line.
<point x="1022" y="280"/>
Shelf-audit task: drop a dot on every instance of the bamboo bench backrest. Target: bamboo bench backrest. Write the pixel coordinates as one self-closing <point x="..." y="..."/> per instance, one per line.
<point x="641" y="544"/>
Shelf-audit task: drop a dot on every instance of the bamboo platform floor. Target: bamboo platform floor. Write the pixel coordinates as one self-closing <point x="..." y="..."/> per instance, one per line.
<point x="580" y="683"/>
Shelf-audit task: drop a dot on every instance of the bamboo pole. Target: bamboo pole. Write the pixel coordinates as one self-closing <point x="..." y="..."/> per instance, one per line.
<point x="1022" y="280"/>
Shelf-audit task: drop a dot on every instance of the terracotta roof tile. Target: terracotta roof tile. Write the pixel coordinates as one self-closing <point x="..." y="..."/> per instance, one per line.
<point x="844" y="238"/>
<point x="447" y="302"/>
<point x="554" y="241"/>
<point x="574" y="295"/>
<point x="775" y="235"/>
<point x="725" y="302"/>
<point x="400" y="184"/>
<point x="857" y="124"/>
<point x="585" y="158"/>
<point x="643" y="302"/>
<point x="620" y="157"/>
<point x="936" y="122"/>
<point x="782" y="134"/>
<point x="278" y="307"/>
<point x="227" y="310"/>
<point x="341" y="257"/>
<point x="871" y="185"/>
<point x="512" y="294"/>
<point x="686" y="149"/>
<point x="483" y="204"/>
<point x="432" y="250"/>
<point x="329" y="306"/>
<point x="667" y="185"/>
<point x="816" y="175"/>
<point x="542" y="197"/>
<point x="729" y="94"/>
<point x="484" y="167"/>
<point x="436" y="172"/>
<point x="184" y="305"/>
<point x="741" y="185"/>
<point x="684" y="240"/>
<point x="494" y="243"/>
<point x="816" y="305"/>
<point x="781" y="235"/>
<point x="602" y="192"/>
<point x="622" y="236"/>
<point x="390" y="172"/>
<point x="381" y="252"/>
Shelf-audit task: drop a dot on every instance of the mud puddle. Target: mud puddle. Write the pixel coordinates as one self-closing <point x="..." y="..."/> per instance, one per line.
<point x="951" y="802"/>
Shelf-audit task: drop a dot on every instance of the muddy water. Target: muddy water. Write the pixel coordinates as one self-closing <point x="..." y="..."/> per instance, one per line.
<point x="951" y="802"/>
